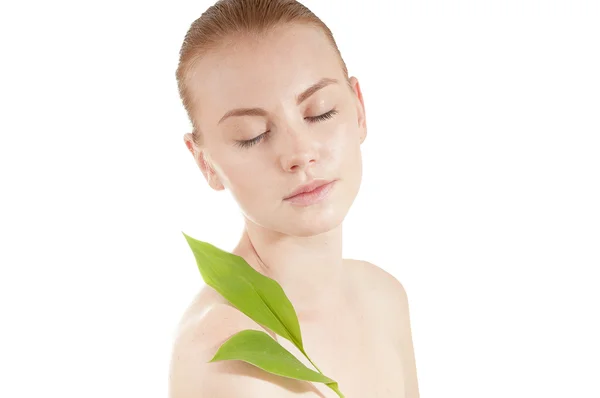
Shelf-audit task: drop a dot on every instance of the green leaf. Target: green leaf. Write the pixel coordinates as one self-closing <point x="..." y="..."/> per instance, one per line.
<point x="263" y="300"/>
<point x="256" y="295"/>
<point x="260" y="349"/>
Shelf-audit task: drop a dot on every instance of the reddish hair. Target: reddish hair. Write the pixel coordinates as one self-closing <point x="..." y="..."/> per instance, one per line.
<point x="227" y="19"/>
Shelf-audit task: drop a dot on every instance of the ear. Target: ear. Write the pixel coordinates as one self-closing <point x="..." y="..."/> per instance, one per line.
<point x="360" y="108"/>
<point x="203" y="161"/>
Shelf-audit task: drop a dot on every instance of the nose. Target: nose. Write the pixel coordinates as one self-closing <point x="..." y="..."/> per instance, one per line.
<point x="300" y="152"/>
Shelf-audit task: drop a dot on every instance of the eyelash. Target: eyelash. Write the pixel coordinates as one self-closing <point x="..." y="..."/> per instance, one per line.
<point x="314" y="119"/>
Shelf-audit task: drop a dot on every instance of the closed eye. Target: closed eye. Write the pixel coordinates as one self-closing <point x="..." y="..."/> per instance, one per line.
<point x="311" y="119"/>
<point x="325" y="116"/>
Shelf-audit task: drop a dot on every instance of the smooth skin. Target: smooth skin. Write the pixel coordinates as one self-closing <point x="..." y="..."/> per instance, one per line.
<point x="353" y="315"/>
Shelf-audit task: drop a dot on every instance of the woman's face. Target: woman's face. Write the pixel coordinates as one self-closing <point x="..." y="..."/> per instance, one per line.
<point x="290" y="147"/>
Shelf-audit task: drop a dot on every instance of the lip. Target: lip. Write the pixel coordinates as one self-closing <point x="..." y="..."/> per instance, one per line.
<point x="306" y="188"/>
<point x="319" y="192"/>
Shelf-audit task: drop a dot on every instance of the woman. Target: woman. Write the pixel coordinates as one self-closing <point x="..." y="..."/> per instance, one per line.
<point x="274" y="114"/>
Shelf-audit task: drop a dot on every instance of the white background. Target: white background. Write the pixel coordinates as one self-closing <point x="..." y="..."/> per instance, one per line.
<point x="482" y="164"/>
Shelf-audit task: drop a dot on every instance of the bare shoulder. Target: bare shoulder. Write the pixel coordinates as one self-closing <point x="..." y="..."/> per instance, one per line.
<point x="378" y="283"/>
<point x="394" y="309"/>
<point x="210" y="315"/>
<point x="207" y="323"/>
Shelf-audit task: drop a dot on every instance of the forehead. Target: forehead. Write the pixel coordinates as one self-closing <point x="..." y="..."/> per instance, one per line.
<point x="263" y="72"/>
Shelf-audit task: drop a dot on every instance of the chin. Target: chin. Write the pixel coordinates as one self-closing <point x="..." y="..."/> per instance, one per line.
<point x="305" y="231"/>
<point x="310" y="223"/>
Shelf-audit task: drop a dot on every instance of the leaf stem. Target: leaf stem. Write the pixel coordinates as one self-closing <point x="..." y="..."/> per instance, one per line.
<point x="334" y="387"/>
<point x="307" y="357"/>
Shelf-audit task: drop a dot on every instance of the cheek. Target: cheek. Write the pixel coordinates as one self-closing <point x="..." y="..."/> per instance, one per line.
<point x="241" y="178"/>
<point x="342" y="143"/>
<point x="232" y="173"/>
<point x="248" y="181"/>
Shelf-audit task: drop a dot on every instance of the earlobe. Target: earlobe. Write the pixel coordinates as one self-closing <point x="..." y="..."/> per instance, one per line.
<point x="215" y="182"/>
<point x="362" y="125"/>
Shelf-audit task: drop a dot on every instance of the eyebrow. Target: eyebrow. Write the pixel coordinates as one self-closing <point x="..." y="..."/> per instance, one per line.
<point x="299" y="99"/>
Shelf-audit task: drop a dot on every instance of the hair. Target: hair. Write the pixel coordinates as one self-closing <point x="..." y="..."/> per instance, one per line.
<point x="222" y="22"/>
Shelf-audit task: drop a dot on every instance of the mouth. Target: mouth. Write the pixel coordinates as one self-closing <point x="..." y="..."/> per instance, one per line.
<point x="307" y="188"/>
<point x="311" y="194"/>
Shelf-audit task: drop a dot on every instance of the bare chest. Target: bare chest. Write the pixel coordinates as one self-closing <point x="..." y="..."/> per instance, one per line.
<point x="357" y="351"/>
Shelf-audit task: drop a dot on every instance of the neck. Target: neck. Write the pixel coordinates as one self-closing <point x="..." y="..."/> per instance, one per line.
<point x="309" y="269"/>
